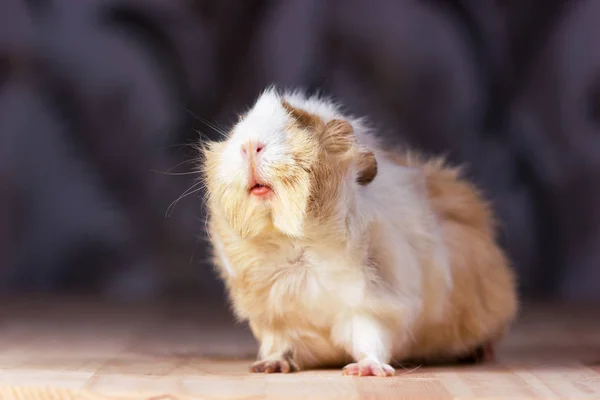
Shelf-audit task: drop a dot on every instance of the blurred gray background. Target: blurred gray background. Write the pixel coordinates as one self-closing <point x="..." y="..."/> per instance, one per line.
<point x="100" y="101"/>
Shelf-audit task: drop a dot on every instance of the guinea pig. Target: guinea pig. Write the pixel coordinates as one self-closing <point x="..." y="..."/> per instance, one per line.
<point x="339" y="252"/>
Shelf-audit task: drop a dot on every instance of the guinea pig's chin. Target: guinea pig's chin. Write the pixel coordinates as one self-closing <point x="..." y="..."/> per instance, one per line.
<point x="250" y="220"/>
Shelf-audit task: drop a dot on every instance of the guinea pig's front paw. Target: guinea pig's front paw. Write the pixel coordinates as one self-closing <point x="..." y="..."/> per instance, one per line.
<point x="368" y="368"/>
<point x="272" y="366"/>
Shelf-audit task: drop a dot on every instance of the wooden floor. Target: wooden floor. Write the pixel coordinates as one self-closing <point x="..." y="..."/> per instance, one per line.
<point x="85" y="350"/>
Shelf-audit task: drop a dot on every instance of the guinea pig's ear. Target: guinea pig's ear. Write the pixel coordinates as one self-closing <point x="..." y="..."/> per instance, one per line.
<point x="305" y="119"/>
<point x="367" y="167"/>
<point x="338" y="137"/>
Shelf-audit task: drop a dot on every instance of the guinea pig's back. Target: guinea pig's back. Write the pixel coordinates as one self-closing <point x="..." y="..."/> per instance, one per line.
<point x="483" y="300"/>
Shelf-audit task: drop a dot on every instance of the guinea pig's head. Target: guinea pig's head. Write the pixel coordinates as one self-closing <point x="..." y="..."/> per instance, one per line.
<point x="282" y="169"/>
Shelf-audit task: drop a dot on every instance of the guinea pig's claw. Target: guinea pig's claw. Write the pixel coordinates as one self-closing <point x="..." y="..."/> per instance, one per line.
<point x="368" y="368"/>
<point x="271" y="366"/>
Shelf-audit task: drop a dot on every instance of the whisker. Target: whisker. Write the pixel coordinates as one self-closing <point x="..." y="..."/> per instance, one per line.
<point x="176" y="145"/>
<point x="171" y="207"/>
<point x="408" y="371"/>
<point x="223" y="129"/>
<point x="220" y="131"/>
<point x="213" y="126"/>
<point x="176" y="173"/>
<point x="202" y="134"/>
<point x="186" y="193"/>
<point x="182" y="163"/>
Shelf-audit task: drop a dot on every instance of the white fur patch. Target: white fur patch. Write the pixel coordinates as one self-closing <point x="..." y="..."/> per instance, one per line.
<point x="221" y="253"/>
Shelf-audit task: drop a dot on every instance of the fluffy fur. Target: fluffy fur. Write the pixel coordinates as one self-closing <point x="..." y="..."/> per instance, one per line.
<point x="361" y="256"/>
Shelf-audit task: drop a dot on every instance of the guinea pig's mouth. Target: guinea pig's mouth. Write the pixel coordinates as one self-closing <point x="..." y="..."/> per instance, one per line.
<point x="260" y="190"/>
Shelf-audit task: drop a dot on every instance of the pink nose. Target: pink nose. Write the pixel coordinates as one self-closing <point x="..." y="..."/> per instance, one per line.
<point x="251" y="148"/>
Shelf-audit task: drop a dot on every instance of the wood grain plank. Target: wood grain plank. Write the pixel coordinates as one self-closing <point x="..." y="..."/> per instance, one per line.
<point x="71" y="350"/>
